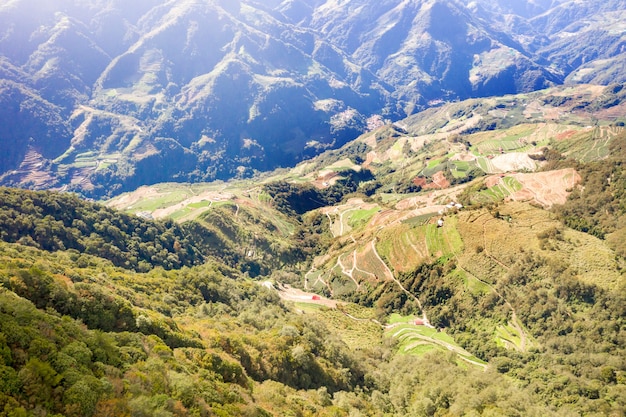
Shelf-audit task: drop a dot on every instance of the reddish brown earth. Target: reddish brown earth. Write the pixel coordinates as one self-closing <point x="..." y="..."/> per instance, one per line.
<point x="439" y="182"/>
<point x="546" y="188"/>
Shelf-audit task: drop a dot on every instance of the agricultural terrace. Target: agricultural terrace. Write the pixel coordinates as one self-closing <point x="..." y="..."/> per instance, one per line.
<point x="520" y="138"/>
<point x="417" y="339"/>
<point x="163" y="199"/>
<point x="460" y="169"/>
<point x="368" y="260"/>
<point x="408" y="245"/>
<point x="360" y="217"/>
<point x="346" y="217"/>
<point x="498" y="188"/>
<point x="590" y="144"/>
<point x="495" y="240"/>
<point x="356" y="325"/>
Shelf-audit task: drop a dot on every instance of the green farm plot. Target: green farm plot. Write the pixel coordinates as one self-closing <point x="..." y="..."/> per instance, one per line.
<point x="309" y="307"/>
<point x="452" y="237"/>
<point x="435" y="241"/>
<point x="162" y="201"/>
<point x="591" y="144"/>
<point x="86" y="156"/>
<point x="433" y="167"/>
<point x="419" y="220"/>
<point x="195" y="208"/>
<point x="485" y="164"/>
<point x="417" y="340"/>
<point x="391" y="198"/>
<point x="359" y="218"/>
<point x="514" y="139"/>
<point x="405" y="247"/>
<point x="499" y="192"/>
<point x="200" y="204"/>
<point x="459" y="168"/>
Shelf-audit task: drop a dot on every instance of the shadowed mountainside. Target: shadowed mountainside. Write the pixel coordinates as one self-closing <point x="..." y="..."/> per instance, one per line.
<point x="104" y="96"/>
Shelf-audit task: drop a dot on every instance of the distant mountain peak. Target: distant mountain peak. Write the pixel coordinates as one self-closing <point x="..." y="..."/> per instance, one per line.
<point x="242" y="72"/>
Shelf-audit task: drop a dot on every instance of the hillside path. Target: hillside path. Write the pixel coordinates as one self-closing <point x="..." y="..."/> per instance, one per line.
<point x="514" y="319"/>
<point x="409" y="293"/>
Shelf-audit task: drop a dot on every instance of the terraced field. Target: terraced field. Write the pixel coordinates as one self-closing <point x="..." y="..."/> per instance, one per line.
<point x="418" y="339"/>
<point x="592" y="143"/>
<point x="404" y="247"/>
<point x="499" y="188"/>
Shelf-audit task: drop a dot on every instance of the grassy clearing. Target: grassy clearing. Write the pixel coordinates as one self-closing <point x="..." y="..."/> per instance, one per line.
<point x="507" y="336"/>
<point x="309" y="307"/>
<point x="476" y="286"/>
<point x="359" y="218"/>
<point x="397" y="318"/>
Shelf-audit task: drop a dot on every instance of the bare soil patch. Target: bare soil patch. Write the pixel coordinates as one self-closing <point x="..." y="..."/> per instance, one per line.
<point x="546" y="188"/>
<point x="287" y="292"/>
<point x="439" y="182"/>
<point x="513" y="162"/>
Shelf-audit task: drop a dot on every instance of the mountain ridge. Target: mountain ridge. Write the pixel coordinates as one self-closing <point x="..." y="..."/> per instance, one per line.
<point x="157" y="73"/>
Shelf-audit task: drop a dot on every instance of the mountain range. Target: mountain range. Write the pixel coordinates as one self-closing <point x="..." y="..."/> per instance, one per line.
<point x="103" y="96"/>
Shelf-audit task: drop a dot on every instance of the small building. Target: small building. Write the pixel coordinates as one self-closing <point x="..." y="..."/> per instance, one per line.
<point x="440" y="223"/>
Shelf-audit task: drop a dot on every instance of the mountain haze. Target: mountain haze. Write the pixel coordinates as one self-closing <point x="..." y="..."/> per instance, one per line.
<point x="103" y="96"/>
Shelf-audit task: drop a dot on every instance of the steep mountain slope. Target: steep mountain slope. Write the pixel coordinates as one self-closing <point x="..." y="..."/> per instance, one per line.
<point x="474" y="254"/>
<point x="104" y="96"/>
<point x="427" y="48"/>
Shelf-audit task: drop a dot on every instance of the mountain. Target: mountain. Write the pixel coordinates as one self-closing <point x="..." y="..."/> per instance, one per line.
<point x="467" y="260"/>
<point x="101" y="97"/>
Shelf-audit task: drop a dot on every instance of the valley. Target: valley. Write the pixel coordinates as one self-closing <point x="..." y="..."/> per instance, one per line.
<point x="380" y="242"/>
<point x="413" y="264"/>
<point x="312" y="208"/>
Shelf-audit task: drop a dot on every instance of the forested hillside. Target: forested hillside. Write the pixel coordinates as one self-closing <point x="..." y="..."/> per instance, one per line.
<point x="466" y="261"/>
<point x="81" y="336"/>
